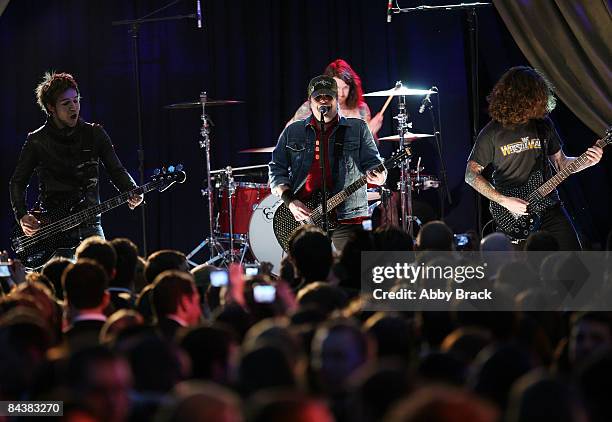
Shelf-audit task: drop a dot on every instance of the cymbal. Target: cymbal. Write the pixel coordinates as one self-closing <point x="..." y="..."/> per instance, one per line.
<point x="400" y="91"/>
<point x="198" y="104"/>
<point x="408" y="137"/>
<point x="257" y="150"/>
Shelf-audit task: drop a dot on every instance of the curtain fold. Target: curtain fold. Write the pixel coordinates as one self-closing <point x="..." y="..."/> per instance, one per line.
<point x="569" y="41"/>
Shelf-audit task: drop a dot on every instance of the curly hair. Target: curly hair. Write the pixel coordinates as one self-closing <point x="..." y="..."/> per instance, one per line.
<point x="342" y="70"/>
<point x="521" y="94"/>
<point x="51" y="86"/>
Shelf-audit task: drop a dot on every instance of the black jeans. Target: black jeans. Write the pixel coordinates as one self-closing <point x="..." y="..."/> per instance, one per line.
<point x="557" y="222"/>
<point x="342" y="234"/>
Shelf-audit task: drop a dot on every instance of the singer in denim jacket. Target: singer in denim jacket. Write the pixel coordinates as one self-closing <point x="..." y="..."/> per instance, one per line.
<point x="293" y="155"/>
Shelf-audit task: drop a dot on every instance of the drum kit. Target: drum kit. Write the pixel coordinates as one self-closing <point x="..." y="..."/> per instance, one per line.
<point x="240" y="204"/>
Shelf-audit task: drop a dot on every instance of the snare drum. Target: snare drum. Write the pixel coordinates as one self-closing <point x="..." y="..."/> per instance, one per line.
<point x="244" y="200"/>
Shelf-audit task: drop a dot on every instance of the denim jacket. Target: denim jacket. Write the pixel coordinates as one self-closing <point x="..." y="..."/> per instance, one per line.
<point x="293" y="154"/>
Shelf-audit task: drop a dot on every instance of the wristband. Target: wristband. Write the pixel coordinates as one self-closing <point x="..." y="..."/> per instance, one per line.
<point x="287" y="196"/>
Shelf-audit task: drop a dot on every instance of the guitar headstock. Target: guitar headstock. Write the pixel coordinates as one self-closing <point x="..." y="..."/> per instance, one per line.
<point x="169" y="176"/>
<point x="607" y="139"/>
<point x="397" y="157"/>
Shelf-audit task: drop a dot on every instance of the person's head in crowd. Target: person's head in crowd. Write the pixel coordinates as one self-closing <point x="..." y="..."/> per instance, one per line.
<point x="139" y="279"/>
<point x="496" y="242"/>
<point x="323" y="296"/>
<point x="539" y="397"/>
<point x="101" y="251"/>
<point x="308" y="315"/>
<point x="394" y="334"/>
<point x="235" y="316"/>
<point x="590" y="332"/>
<point x="127" y="257"/>
<point x="25" y="338"/>
<point x="264" y="367"/>
<point x="213" y="350"/>
<point x="101" y="380"/>
<point x="376" y="387"/>
<point x="277" y="333"/>
<point x="157" y="365"/>
<point x="496" y="368"/>
<point x="175" y="297"/>
<point x="202" y="402"/>
<point x="348" y="269"/>
<point x="50" y="310"/>
<point x="442" y="404"/>
<point x="516" y="277"/>
<point x="53" y="270"/>
<point x="118" y="322"/>
<point x="164" y="260"/>
<point x="43" y="282"/>
<point x="281" y="406"/>
<point x="466" y="342"/>
<point x="339" y="348"/>
<point x="85" y="283"/>
<point x="434" y="327"/>
<point x="392" y="238"/>
<point x="443" y="368"/>
<point x="311" y="252"/>
<point x="595" y="383"/>
<point x="144" y="304"/>
<point x="435" y="236"/>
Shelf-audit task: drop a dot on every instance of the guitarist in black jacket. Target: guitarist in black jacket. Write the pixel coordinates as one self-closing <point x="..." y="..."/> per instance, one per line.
<point x="514" y="141"/>
<point x="65" y="153"/>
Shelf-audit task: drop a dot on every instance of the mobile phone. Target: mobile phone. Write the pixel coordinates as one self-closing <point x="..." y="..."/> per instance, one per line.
<point x="461" y="239"/>
<point x="218" y="278"/>
<point x="367" y="225"/>
<point x="264" y="293"/>
<point x="5" y="271"/>
<point x="251" y="269"/>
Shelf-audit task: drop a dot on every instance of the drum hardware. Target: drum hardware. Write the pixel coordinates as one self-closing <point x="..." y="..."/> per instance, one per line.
<point x="198" y="104"/>
<point x="257" y="150"/>
<point x="408" y="137"/>
<point x="400" y="91"/>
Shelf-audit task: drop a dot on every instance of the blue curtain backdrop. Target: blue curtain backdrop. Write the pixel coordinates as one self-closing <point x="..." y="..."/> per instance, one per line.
<point x="262" y="52"/>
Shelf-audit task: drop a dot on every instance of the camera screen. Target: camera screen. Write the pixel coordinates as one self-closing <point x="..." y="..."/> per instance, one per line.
<point x="264" y="293"/>
<point x="218" y="278"/>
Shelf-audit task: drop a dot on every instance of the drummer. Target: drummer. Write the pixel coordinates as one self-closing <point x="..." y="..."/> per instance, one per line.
<point x="350" y="97"/>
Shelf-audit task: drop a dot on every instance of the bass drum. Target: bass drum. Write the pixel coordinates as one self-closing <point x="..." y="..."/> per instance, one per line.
<point x="262" y="240"/>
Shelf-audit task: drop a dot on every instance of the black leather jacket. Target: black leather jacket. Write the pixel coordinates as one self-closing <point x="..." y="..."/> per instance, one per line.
<point x="67" y="164"/>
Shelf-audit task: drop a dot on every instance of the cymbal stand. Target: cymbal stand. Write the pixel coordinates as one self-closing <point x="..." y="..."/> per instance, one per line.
<point x="216" y="250"/>
<point x="405" y="183"/>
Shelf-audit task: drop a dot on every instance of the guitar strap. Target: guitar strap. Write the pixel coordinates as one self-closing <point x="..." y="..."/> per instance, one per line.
<point x="338" y="148"/>
<point x="543" y="137"/>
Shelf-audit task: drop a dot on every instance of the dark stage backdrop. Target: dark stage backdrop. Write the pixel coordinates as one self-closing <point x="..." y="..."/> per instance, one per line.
<point x="262" y="52"/>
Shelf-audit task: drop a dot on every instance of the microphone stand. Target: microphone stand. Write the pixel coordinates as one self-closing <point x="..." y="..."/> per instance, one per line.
<point x="438" y="136"/>
<point x="472" y="20"/>
<point x="322" y="158"/>
<point x="134" y="31"/>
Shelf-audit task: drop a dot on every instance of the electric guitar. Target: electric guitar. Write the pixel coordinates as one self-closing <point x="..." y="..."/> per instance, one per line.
<point x="284" y="223"/>
<point x="535" y="191"/>
<point x="57" y="225"/>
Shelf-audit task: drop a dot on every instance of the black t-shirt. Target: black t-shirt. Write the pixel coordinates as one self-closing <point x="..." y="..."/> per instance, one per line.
<point x="515" y="152"/>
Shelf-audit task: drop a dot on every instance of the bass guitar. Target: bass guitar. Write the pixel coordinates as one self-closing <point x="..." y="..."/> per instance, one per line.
<point x="58" y="225"/>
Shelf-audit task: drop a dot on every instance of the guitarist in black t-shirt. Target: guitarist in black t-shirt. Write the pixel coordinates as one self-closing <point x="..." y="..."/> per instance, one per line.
<point x="513" y="143"/>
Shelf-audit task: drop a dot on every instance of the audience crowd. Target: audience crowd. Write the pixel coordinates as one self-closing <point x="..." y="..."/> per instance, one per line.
<point x="120" y="337"/>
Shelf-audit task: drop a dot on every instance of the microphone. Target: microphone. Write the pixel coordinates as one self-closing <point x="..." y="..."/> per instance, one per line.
<point x="199" y="13"/>
<point x="426" y="101"/>
<point x="324" y="109"/>
<point x="389" y="8"/>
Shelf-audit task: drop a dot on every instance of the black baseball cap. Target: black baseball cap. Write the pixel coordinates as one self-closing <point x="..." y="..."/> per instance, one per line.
<point x="322" y="85"/>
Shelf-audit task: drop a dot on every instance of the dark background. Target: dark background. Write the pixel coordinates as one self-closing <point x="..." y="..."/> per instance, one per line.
<point x="262" y="52"/>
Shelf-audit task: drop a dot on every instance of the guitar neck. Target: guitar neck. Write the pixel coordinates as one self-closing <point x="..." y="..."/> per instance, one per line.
<point x="341" y="196"/>
<point x="558" y="178"/>
<point x="89" y="213"/>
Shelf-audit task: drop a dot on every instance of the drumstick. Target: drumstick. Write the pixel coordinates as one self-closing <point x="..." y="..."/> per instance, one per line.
<point x="384" y="107"/>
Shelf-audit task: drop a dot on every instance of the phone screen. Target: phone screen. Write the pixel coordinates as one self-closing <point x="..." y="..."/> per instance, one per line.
<point x="251" y="271"/>
<point x="218" y="278"/>
<point x="5" y="271"/>
<point x="264" y="293"/>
